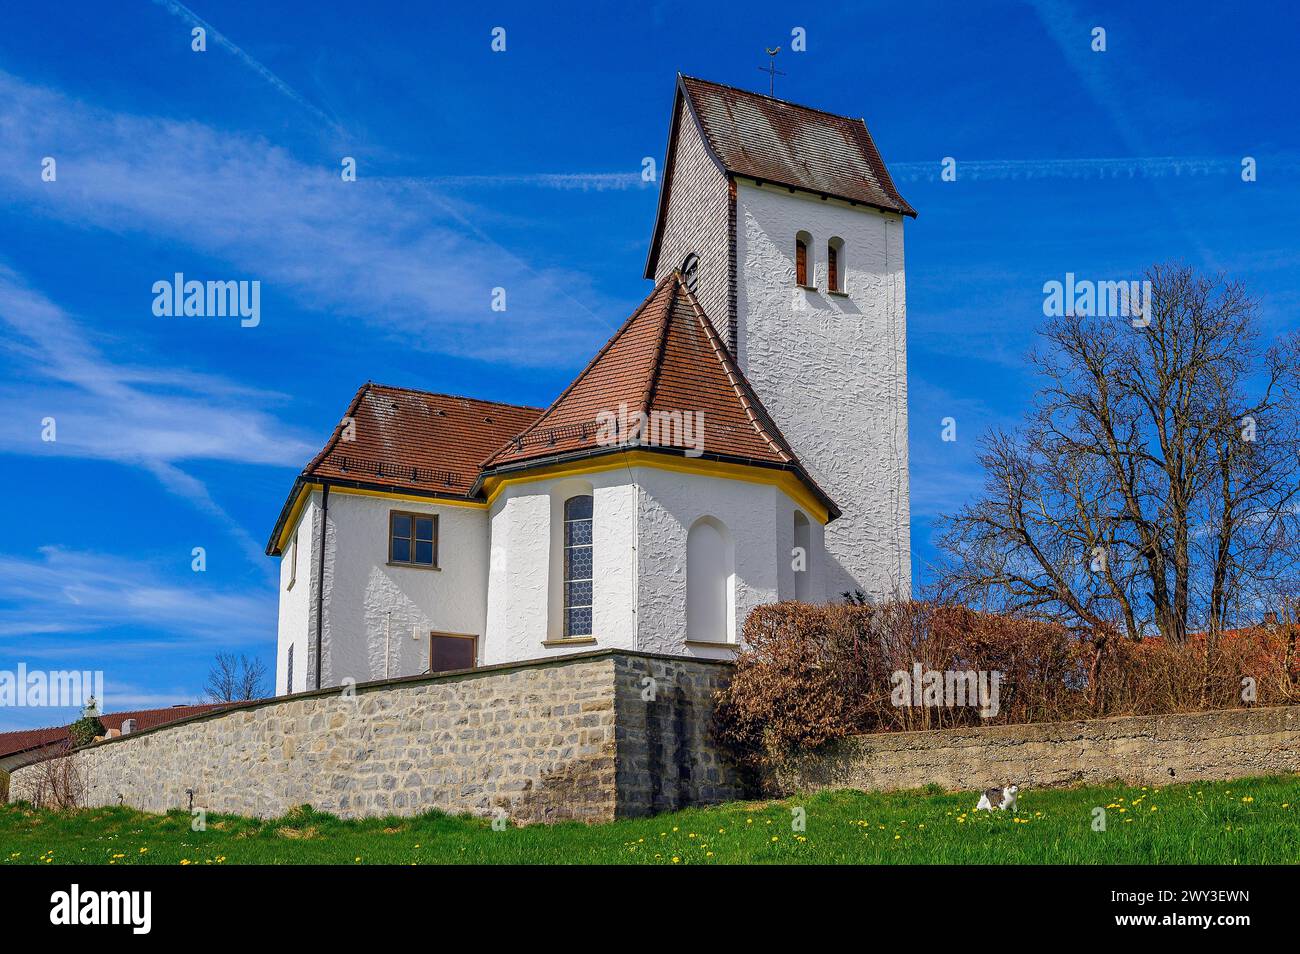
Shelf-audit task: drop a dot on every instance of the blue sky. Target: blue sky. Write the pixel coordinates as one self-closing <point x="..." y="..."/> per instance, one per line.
<point x="521" y="169"/>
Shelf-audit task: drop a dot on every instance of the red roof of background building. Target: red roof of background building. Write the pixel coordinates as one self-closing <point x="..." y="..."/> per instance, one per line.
<point x="24" y="739"/>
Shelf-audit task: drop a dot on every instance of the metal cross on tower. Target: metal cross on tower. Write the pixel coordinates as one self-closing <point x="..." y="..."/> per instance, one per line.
<point x="772" y="72"/>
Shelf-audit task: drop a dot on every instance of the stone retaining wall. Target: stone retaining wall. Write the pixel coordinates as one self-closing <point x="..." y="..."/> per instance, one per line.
<point x="549" y="740"/>
<point x="1140" y="749"/>
<point x="605" y="735"/>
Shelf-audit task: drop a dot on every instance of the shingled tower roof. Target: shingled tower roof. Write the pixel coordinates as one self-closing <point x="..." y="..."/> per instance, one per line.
<point x="775" y="141"/>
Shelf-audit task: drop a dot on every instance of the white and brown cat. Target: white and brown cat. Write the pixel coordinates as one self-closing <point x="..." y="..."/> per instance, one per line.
<point x="1003" y="799"/>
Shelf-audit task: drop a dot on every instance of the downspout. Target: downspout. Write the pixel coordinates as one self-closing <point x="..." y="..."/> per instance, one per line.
<point x="320" y="576"/>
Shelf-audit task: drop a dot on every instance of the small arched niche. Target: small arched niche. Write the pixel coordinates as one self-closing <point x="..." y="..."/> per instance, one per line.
<point x="710" y="583"/>
<point x="802" y="559"/>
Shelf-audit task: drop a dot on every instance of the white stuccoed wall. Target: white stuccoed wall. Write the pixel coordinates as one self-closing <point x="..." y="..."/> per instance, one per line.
<point x="362" y="590"/>
<point x="296" y="618"/>
<point x="641" y="520"/>
<point x="760" y="519"/>
<point x="696" y="221"/>
<point x="513" y="598"/>
<point x="832" y="370"/>
<point x="525" y="598"/>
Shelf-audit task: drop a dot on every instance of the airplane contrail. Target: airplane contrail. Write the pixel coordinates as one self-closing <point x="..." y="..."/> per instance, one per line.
<point x="188" y="15"/>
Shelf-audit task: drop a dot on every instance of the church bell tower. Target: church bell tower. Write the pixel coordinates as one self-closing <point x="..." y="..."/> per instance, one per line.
<point x="787" y="222"/>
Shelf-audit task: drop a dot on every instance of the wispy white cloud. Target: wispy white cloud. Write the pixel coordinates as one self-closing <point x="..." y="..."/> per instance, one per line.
<point x="153" y="419"/>
<point x="394" y="254"/>
<point x="144" y="627"/>
<point x="67" y="596"/>
<point x="565" y="181"/>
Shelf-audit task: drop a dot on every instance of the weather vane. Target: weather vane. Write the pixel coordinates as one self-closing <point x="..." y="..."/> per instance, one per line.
<point x="771" y="71"/>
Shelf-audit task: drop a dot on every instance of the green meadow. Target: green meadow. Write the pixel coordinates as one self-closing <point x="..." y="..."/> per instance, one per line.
<point x="1250" y="821"/>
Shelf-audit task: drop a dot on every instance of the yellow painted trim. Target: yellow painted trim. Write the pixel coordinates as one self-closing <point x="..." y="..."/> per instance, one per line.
<point x="295" y="513"/>
<point x="785" y="480"/>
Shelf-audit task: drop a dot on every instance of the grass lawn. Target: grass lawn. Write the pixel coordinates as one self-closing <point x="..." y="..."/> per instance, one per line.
<point x="1252" y="821"/>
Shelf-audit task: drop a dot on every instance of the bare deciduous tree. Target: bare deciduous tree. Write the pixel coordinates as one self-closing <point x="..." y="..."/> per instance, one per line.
<point x="60" y="783"/>
<point x="1155" y="485"/>
<point x="235" y="678"/>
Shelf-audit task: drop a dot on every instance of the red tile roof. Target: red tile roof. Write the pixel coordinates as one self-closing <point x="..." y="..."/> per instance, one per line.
<point x="22" y="740"/>
<point x="667" y="359"/>
<point x="769" y="139"/>
<point x="415" y="440"/>
<point x="409" y="441"/>
<point x="668" y="363"/>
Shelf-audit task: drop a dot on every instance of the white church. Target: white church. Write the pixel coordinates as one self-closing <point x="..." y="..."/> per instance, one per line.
<point x="740" y="440"/>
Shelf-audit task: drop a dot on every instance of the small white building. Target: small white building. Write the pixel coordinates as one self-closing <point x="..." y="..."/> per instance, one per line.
<point x="740" y="440"/>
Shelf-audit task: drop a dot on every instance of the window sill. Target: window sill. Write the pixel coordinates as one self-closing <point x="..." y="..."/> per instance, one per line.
<point x="571" y="641"/>
<point x="811" y="288"/>
<point x="841" y="294"/>
<point x="711" y="644"/>
<point x="414" y="566"/>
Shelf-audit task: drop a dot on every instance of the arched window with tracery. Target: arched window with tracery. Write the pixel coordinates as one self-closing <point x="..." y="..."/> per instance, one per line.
<point x="577" y="566"/>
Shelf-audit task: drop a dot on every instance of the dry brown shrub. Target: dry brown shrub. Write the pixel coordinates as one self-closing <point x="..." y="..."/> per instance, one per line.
<point x="813" y="673"/>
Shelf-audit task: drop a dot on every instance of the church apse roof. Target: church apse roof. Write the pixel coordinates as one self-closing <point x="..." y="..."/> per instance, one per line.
<point x="664" y="382"/>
